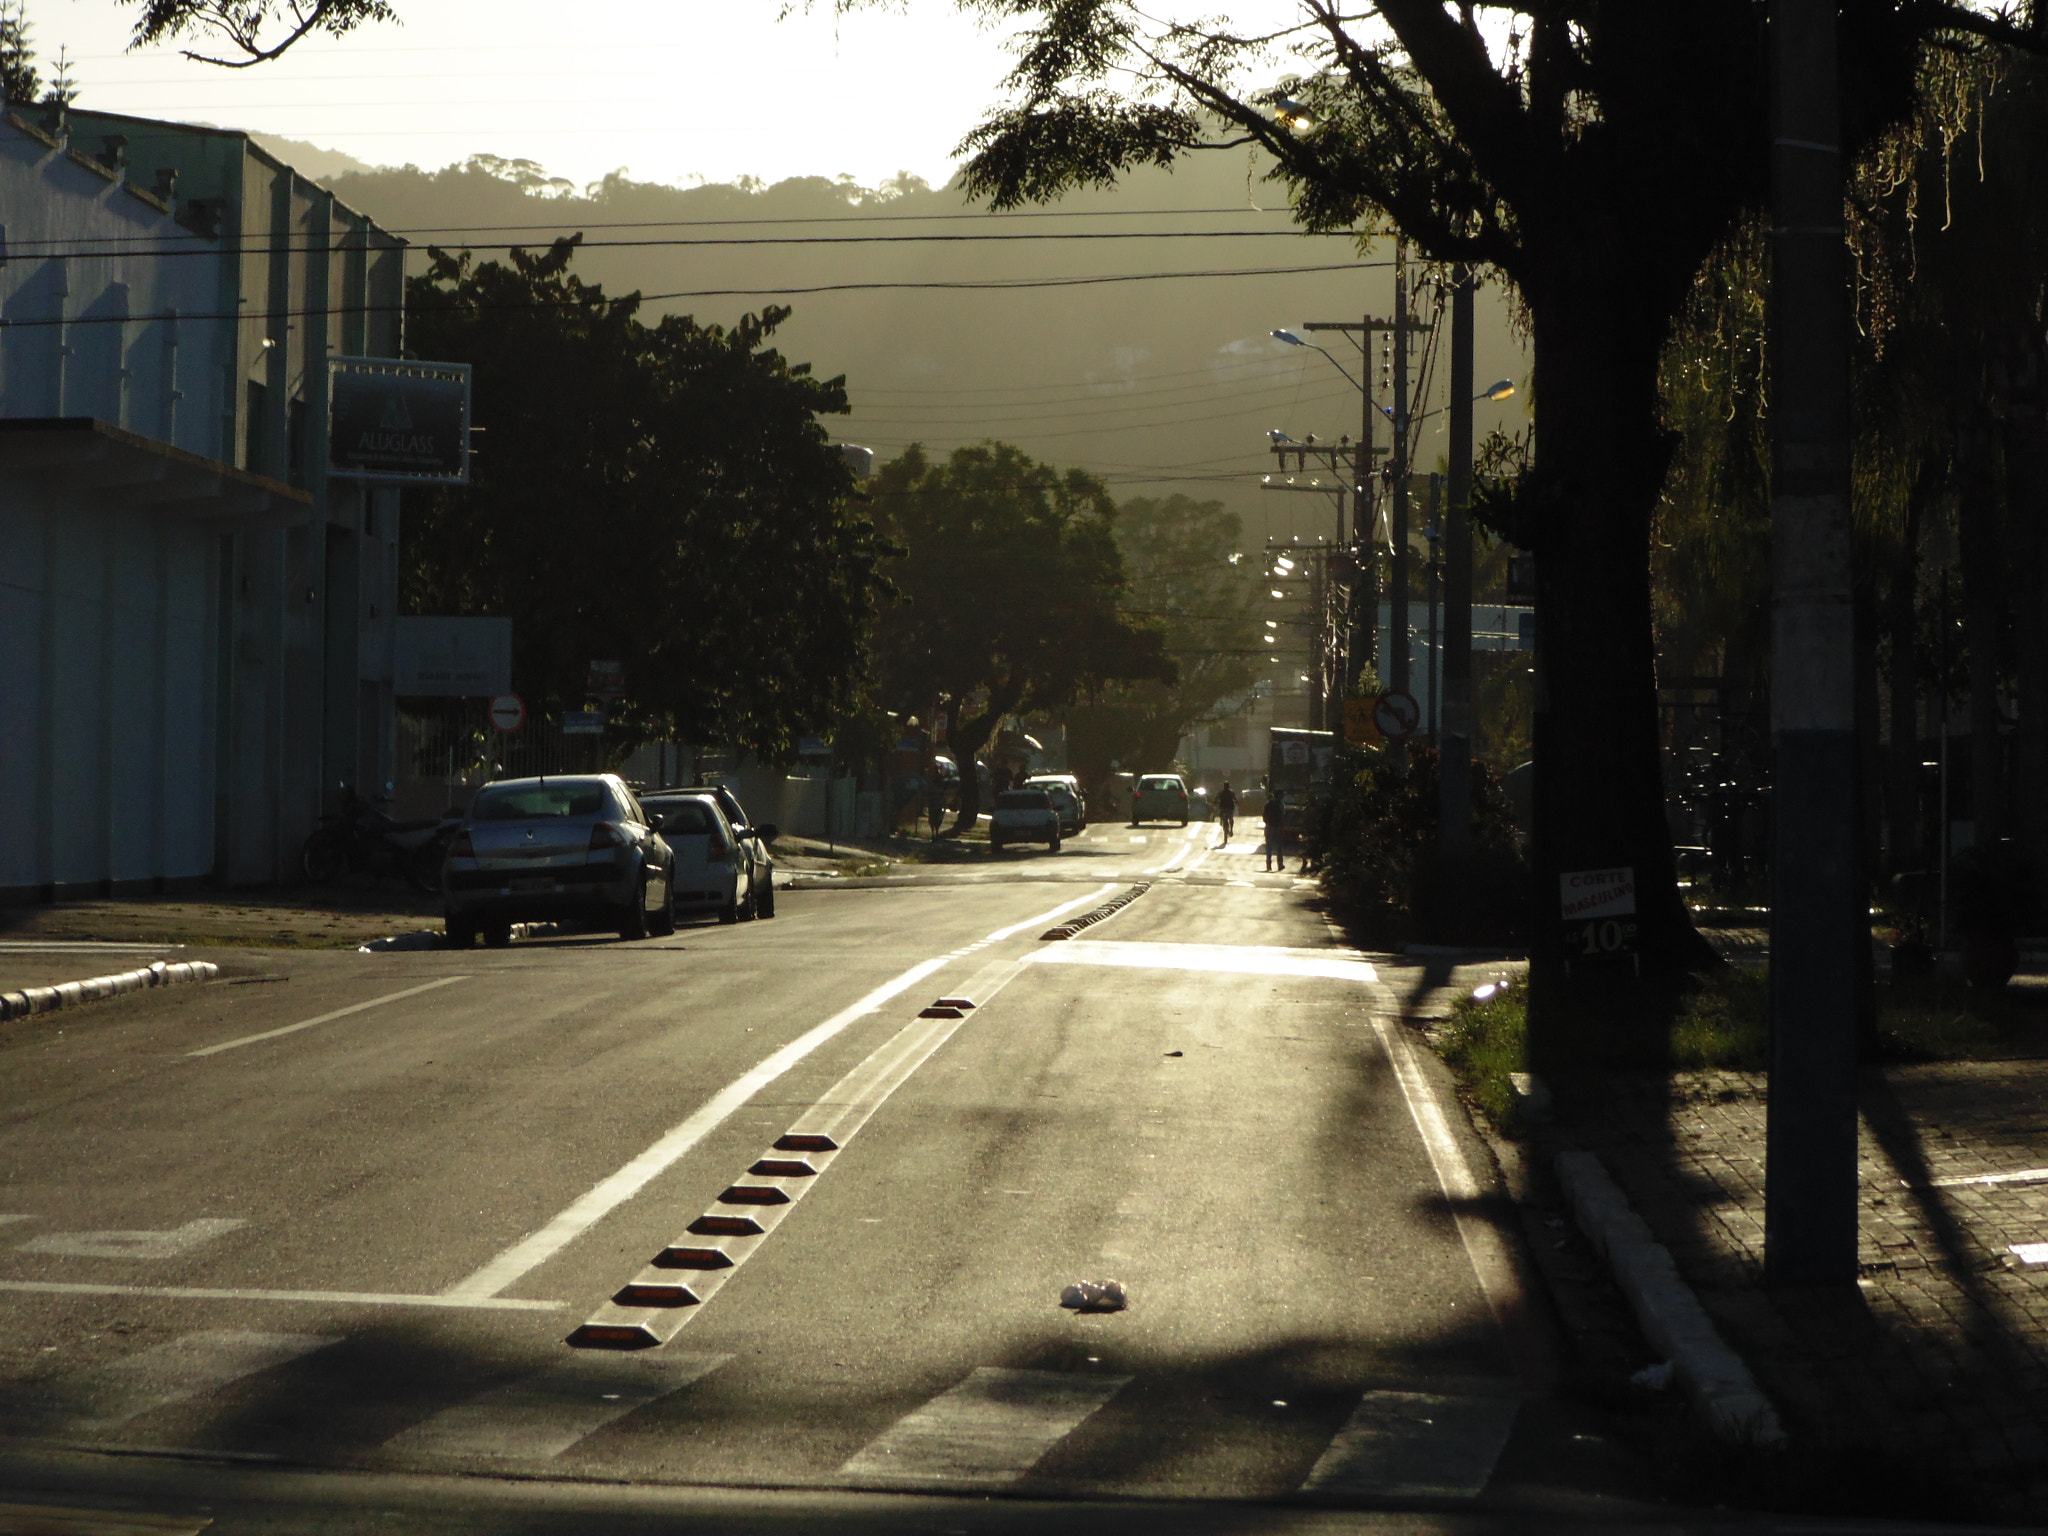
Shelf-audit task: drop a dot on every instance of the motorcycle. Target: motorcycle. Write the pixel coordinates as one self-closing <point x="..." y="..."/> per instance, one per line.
<point x="361" y="835"/>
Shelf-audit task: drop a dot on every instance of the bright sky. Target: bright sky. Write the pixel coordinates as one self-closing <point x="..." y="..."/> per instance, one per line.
<point x="672" y="91"/>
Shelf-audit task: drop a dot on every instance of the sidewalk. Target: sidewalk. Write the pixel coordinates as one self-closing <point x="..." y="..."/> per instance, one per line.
<point x="1939" y="1357"/>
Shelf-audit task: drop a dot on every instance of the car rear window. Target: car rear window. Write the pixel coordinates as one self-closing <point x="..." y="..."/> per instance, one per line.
<point x="682" y="817"/>
<point x="1159" y="784"/>
<point x="1024" y="800"/>
<point x="533" y="802"/>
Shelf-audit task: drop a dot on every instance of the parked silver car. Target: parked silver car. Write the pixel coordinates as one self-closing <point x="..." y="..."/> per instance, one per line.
<point x="564" y="848"/>
<point x="1023" y="816"/>
<point x="715" y="870"/>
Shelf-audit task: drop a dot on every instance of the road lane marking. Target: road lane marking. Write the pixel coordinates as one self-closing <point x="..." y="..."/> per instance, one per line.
<point x="65" y="1520"/>
<point x="1484" y="1246"/>
<point x="325" y="1018"/>
<point x="1416" y="1445"/>
<point x="1045" y="917"/>
<point x="323" y="1298"/>
<point x="540" y="1416"/>
<point x="633" y="1320"/>
<point x="1231" y="959"/>
<point x="988" y="1431"/>
<point x="167" y="1244"/>
<point x="608" y="1194"/>
<point x="181" y="1369"/>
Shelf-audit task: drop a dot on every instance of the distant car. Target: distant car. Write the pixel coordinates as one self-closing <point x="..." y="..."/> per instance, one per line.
<point x="568" y="848"/>
<point x="1023" y="816"/>
<point x="1159" y="797"/>
<point x="753" y="837"/>
<point x="712" y="873"/>
<point x="1067" y="798"/>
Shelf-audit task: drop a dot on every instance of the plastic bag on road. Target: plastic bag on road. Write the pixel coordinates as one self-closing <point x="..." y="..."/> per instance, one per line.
<point x="1094" y="1296"/>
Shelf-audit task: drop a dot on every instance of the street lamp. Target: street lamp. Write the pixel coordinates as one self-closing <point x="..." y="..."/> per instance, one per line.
<point x="1293" y="340"/>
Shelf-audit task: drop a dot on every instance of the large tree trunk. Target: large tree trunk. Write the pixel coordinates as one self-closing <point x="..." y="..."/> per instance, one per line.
<point x="1983" y="563"/>
<point x="1902" y="773"/>
<point x="1599" y="788"/>
<point x="2026" y="492"/>
<point x="967" y="737"/>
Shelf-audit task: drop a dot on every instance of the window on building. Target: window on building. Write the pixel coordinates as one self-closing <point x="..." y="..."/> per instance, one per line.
<point x="1227" y="733"/>
<point x="254" y="455"/>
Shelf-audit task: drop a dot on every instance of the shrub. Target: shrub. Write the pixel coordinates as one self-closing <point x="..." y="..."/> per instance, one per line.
<point x="1375" y="839"/>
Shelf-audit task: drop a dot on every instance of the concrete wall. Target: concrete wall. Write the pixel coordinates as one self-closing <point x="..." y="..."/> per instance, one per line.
<point x="202" y="318"/>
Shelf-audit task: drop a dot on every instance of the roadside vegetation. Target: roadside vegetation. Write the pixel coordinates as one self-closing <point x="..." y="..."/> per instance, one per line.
<point x="1723" y="1024"/>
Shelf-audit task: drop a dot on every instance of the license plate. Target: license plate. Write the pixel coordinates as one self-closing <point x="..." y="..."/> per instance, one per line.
<point x="527" y="883"/>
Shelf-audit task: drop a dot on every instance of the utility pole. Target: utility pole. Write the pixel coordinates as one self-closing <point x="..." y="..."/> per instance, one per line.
<point x="1397" y="576"/>
<point x="1819" y="932"/>
<point x="1454" y="735"/>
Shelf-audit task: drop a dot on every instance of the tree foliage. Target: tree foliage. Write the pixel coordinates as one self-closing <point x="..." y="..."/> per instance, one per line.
<point x="1184" y="578"/>
<point x="664" y="495"/>
<point x="252" y="31"/>
<point x="1010" y="583"/>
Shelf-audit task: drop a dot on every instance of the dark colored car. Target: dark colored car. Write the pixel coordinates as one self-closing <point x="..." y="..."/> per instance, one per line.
<point x="574" y="848"/>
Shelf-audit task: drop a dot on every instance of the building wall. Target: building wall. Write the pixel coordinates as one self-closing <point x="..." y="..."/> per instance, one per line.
<point x="203" y="318"/>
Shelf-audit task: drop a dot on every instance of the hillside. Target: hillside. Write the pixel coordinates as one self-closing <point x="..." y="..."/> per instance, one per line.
<point x="1160" y="383"/>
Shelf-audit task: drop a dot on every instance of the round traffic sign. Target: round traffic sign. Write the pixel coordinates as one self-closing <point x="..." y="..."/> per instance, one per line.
<point x="1396" y="715"/>
<point x="508" y="712"/>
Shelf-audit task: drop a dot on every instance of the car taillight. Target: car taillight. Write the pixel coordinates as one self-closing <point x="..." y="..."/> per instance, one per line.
<point x="604" y="837"/>
<point x="462" y="847"/>
<point x="716" y="853"/>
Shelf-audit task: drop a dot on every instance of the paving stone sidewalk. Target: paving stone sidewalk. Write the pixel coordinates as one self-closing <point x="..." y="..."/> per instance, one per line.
<point x="1941" y="1351"/>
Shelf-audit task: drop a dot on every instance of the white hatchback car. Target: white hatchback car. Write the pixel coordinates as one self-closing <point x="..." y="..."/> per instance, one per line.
<point x="1023" y="816"/>
<point x="1067" y="798"/>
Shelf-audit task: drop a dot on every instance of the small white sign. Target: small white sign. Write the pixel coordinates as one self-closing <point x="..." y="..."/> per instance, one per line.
<point x="582" y="722"/>
<point x="508" y="712"/>
<point x="449" y="658"/>
<point x="1591" y="893"/>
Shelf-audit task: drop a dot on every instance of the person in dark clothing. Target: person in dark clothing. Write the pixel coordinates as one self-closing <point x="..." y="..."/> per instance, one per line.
<point x="1276" y="831"/>
<point x="1226" y="811"/>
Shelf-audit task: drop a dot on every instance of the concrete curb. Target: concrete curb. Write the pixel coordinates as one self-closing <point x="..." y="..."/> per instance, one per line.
<point x="69" y="994"/>
<point x="1668" y="1312"/>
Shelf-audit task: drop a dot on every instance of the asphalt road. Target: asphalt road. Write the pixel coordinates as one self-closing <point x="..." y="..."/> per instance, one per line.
<point x="305" y="1250"/>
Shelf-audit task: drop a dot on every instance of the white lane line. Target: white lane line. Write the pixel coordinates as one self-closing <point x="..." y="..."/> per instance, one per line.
<point x="1484" y="1246"/>
<point x="167" y="1243"/>
<point x="1045" y="917"/>
<point x="1986" y="1180"/>
<point x="183" y="1368"/>
<point x="325" y="1018"/>
<point x="987" y="1432"/>
<point x="540" y="1416"/>
<point x="1228" y="959"/>
<point x="321" y="1298"/>
<point x="608" y="1194"/>
<point x="1416" y="1445"/>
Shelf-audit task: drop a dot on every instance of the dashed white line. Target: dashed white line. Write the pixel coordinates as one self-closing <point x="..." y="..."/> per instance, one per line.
<point x="322" y="1298"/>
<point x="325" y="1018"/>
<point x="608" y="1194"/>
<point x="988" y="1431"/>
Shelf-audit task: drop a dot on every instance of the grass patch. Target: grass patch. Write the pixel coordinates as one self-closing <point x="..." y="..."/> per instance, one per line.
<point x="1937" y="1018"/>
<point x="1724" y="1022"/>
<point x="1483" y="1042"/>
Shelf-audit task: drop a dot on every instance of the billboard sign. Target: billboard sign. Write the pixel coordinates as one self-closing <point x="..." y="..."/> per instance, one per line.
<point x="395" y="419"/>
<point x="446" y="658"/>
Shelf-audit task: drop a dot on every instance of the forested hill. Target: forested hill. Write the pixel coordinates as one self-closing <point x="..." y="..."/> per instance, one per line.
<point x="1166" y="383"/>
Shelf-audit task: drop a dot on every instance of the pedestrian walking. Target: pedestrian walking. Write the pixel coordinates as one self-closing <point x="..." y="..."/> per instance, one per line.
<point x="1226" y="811"/>
<point x="1276" y="831"/>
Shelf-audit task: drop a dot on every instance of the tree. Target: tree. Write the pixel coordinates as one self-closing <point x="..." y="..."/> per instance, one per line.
<point x="19" y="77"/>
<point x="1010" y="582"/>
<point x="244" y="25"/>
<point x="663" y="495"/>
<point x="1596" y="157"/>
<point x="1185" y="578"/>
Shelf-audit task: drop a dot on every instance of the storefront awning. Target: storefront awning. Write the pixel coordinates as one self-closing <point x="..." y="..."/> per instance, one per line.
<point x="86" y="455"/>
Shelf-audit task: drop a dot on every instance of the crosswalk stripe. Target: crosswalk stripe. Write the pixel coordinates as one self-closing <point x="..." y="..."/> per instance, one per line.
<point x="184" y="1368"/>
<point x="1416" y="1445"/>
<point x="540" y="1416"/>
<point x="988" y="1431"/>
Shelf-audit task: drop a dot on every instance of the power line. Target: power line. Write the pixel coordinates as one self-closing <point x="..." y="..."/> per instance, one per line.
<point x="999" y="285"/>
<point x="306" y="249"/>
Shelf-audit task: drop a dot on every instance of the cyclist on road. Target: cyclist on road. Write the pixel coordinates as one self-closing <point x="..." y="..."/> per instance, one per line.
<point x="1226" y="812"/>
